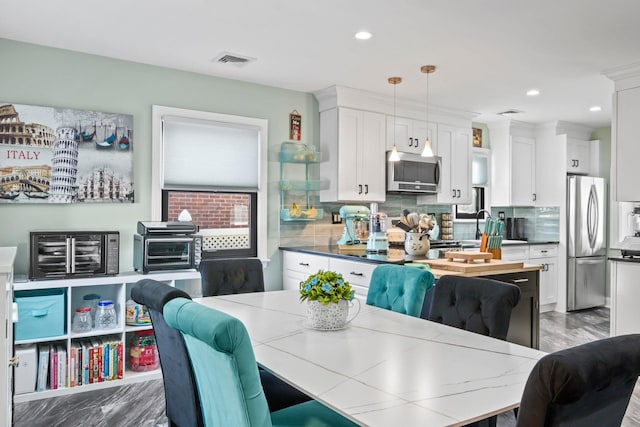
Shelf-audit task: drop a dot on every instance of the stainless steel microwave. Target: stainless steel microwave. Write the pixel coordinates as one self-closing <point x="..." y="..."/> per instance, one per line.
<point x="413" y="174"/>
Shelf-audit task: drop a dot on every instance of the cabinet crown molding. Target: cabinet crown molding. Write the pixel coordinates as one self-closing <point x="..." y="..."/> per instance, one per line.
<point x="572" y="130"/>
<point x="342" y="96"/>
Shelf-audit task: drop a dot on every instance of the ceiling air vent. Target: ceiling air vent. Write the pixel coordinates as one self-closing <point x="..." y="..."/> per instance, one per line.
<point x="232" y="58"/>
<point x="509" y="112"/>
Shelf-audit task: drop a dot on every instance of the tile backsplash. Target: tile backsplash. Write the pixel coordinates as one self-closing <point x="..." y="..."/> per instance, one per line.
<point x="541" y="224"/>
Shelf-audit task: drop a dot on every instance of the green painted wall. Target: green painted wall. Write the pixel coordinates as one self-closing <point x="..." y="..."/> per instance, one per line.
<point x="38" y="75"/>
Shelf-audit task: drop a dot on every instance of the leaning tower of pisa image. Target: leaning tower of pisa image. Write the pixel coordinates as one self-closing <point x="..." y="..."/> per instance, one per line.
<point x="64" y="167"/>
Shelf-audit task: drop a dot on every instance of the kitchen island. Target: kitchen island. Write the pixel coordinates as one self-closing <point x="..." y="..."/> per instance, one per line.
<point x="300" y="262"/>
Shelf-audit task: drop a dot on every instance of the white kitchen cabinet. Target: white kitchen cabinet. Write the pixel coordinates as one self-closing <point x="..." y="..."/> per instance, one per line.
<point x="578" y="156"/>
<point x="625" y="294"/>
<point x="547" y="256"/>
<point x="513" y="165"/>
<point x="297" y="266"/>
<point x="352" y="143"/>
<point x="453" y="146"/>
<point x="118" y="289"/>
<point x="409" y="135"/>
<point x="625" y="148"/>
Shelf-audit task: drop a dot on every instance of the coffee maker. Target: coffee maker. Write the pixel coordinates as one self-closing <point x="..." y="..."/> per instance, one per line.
<point x="356" y="222"/>
<point x="377" y="243"/>
<point x="630" y="246"/>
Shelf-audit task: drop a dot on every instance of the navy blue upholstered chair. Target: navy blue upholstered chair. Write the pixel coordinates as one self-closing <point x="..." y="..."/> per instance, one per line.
<point x="226" y="373"/>
<point x="226" y="276"/>
<point x="231" y="276"/>
<point x="587" y="385"/>
<point x="399" y="288"/>
<point x="478" y="305"/>
<point x="180" y="391"/>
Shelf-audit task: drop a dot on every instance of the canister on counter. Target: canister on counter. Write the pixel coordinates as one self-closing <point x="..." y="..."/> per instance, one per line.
<point x="137" y="314"/>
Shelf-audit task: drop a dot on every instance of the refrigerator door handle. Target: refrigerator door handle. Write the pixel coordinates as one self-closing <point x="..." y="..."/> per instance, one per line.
<point x="592" y="216"/>
<point x="589" y="262"/>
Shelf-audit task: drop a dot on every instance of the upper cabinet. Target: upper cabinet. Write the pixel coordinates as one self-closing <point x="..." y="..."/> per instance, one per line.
<point x="409" y="135"/>
<point x="453" y="146"/>
<point x="625" y="132"/>
<point x="578" y="156"/>
<point x="352" y="143"/>
<point x="513" y="174"/>
<point x="626" y="149"/>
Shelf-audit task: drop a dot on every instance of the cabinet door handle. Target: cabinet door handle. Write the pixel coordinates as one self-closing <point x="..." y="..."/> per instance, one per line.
<point x="304" y="264"/>
<point x="546" y="267"/>
<point x="577" y="163"/>
<point x="520" y="280"/>
<point x="353" y="273"/>
<point x="544" y="251"/>
<point x="459" y="194"/>
<point x="453" y="193"/>
<point x="366" y="189"/>
<point x="359" y="188"/>
<point x="534" y="197"/>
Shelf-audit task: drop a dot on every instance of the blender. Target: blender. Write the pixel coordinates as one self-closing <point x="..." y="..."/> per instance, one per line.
<point x="356" y="221"/>
<point x="377" y="242"/>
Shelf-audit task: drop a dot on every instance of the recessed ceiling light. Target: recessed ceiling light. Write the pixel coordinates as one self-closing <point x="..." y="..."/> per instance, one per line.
<point x="533" y="92"/>
<point x="363" y="35"/>
<point x="595" y="108"/>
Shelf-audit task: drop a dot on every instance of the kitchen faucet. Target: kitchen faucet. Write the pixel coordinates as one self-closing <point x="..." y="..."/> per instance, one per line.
<point x="478" y="221"/>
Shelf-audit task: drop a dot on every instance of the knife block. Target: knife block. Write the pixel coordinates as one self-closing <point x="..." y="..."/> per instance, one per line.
<point x="497" y="253"/>
<point x="483" y="242"/>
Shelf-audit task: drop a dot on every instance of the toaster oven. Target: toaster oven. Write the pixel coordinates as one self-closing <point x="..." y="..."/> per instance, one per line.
<point x="64" y="254"/>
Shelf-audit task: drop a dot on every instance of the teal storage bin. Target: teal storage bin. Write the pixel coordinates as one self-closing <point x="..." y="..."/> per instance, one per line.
<point x="41" y="314"/>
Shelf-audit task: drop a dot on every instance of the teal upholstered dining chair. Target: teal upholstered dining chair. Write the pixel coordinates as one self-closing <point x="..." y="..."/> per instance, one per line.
<point x="226" y="373"/>
<point x="399" y="288"/>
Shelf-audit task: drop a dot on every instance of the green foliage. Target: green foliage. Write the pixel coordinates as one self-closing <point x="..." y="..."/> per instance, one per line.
<point x="326" y="287"/>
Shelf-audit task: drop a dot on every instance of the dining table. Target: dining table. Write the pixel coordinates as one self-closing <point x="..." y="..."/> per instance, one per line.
<point x="383" y="368"/>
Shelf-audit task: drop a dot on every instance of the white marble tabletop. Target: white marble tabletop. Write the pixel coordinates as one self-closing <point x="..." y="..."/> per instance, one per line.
<point x="385" y="368"/>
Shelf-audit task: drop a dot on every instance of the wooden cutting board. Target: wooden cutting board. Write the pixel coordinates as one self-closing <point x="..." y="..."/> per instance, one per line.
<point x="464" y="267"/>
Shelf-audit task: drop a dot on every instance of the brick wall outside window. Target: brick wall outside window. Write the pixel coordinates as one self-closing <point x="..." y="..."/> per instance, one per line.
<point x="211" y="210"/>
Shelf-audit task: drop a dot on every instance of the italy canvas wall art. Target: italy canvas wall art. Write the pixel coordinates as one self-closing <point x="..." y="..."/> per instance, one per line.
<point x="62" y="155"/>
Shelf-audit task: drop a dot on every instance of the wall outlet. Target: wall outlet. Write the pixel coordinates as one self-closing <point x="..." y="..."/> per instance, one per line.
<point x="336" y="218"/>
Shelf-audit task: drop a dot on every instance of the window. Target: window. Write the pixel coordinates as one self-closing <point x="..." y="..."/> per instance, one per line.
<point x="215" y="167"/>
<point x="477" y="204"/>
<point x="227" y="221"/>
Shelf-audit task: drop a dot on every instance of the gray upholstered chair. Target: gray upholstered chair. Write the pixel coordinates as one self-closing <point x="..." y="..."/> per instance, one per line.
<point x="180" y="391"/>
<point x="399" y="288"/>
<point x="231" y="276"/>
<point x="587" y="385"/>
<point x="475" y="304"/>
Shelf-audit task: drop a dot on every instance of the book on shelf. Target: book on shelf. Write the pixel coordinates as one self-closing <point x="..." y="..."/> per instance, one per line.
<point x="43" y="367"/>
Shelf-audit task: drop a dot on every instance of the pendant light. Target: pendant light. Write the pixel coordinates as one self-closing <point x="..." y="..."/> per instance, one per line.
<point x="394" y="157"/>
<point x="427" y="151"/>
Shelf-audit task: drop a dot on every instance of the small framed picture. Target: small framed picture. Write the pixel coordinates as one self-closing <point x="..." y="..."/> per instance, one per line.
<point x="295" y="125"/>
<point x="477" y="137"/>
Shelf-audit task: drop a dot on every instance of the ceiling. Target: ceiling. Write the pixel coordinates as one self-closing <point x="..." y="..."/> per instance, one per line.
<point x="488" y="52"/>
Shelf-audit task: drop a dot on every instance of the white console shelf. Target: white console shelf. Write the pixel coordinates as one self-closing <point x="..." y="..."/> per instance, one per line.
<point x="118" y="289"/>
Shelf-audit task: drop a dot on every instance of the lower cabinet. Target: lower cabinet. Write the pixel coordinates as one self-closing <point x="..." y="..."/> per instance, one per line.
<point x="65" y="360"/>
<point x="297" y="266"/>
<point x="524" y="327"/>
<point x="625" y="294"/>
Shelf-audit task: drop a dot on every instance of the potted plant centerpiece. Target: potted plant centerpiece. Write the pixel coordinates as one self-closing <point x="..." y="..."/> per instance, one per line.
<point x="328" y="298"/>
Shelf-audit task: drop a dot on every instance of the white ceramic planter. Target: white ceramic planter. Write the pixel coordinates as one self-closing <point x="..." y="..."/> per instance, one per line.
<point x="416" y="243"/>
<point x="330" y="316"/>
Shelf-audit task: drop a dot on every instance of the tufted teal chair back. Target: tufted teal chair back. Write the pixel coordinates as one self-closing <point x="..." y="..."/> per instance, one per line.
<point x="399" y="288"/>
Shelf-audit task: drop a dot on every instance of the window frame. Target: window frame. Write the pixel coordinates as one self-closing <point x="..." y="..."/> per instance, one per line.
<point x="478" y="202"/>
<point x="157" y="163"/>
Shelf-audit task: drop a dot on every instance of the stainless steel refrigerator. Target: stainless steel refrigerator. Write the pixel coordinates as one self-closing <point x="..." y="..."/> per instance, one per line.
<point x="586" y="242"/>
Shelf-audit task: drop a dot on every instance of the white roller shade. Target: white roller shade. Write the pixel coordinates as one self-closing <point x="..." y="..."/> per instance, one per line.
<point x="200" y="153"/>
